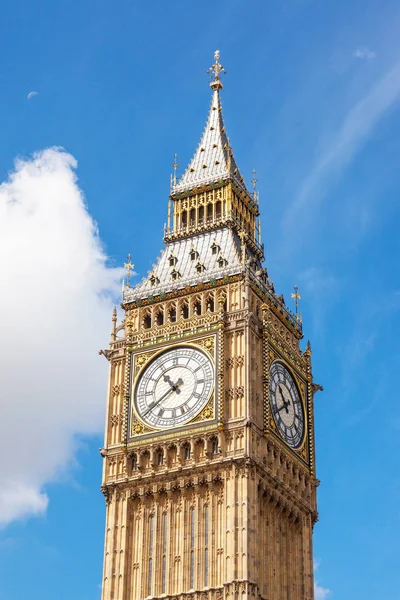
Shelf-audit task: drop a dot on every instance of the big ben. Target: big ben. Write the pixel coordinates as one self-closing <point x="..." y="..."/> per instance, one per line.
<point x="209" y="461"/>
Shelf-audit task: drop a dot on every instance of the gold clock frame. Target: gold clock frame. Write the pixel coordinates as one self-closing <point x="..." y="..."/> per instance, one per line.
<point x="139" y="360"/>
<point x="303" y="450"/>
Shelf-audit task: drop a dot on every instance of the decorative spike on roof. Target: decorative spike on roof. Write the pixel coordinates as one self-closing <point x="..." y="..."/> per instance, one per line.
<point x="213" y="160"/>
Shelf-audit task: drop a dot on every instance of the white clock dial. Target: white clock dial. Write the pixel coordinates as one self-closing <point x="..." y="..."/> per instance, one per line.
<point x="174" y="387"/>
<point x="286" y="405"/>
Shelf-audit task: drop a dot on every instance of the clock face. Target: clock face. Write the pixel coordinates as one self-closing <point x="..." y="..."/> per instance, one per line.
<point x="174" y="387"/>
<point x="286" y="405"/>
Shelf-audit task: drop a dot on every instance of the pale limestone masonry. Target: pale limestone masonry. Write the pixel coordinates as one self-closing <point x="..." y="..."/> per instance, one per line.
<point x="223" y="506"/>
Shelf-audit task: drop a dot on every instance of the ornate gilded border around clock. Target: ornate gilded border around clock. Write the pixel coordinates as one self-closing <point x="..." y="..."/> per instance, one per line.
<point x="265" y="367"/>
<point x="139" y="361"/>
<point x="303" y="386"/>
<point x="310" y="402"/>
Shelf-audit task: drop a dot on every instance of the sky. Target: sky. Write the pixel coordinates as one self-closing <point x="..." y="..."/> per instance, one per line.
<point x="312" y="102"/>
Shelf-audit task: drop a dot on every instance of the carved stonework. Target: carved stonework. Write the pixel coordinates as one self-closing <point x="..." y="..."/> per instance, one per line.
<point x="211" y="502"/>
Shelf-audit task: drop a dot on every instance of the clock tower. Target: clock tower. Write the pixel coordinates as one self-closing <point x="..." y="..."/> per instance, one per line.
<point x="209" y="463"/>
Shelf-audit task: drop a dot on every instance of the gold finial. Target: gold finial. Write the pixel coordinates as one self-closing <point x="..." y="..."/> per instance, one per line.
<point x="215" y="71"/>
<point x="128" y="266"/>
<point x="296" y="297"/>
<point x="169" y="216"/>
<point x="254" y="182"/>
<point x="175" y="165"/>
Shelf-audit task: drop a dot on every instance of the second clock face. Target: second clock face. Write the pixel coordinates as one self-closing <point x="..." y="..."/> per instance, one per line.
<point x="174" y="387"/>
<point x="286" y="405"/>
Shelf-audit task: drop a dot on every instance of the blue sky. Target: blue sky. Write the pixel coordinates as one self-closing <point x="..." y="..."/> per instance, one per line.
<point x="311" y="100"/>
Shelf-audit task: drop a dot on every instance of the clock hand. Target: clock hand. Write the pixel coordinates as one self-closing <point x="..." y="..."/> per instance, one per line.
<point x="167" y="378"/>
<point x="175" y="388"/>
<point x="284" y="406"/>
<point x="158" y="401"/>
<point x="286" y="403"/>
<point x="178" y="385"/>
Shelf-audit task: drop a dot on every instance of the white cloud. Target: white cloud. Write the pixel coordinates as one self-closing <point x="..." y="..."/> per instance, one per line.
<point x="320" y="593"/>
<point x="351" y="135"/>
<point x="55" y="311"/>
<point x="364" y="53"/>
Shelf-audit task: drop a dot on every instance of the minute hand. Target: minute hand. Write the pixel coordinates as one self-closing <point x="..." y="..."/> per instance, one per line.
<point x="167" y="393"/>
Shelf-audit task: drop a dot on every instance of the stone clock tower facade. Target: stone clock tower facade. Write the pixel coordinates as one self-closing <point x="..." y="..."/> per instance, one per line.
<point x="209" y="463"/>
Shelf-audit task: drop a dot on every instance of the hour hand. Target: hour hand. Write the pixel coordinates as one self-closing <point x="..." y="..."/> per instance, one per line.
<point x="178" y="385"/>
<point x="284" y="406"/>
<point x="167" y="378"/>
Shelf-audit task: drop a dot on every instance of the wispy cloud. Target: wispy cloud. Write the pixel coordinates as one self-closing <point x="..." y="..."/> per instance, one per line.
<point x="352" y="134"/>
<point x="364" y="53"/>
<point x="321" y="286"/>
<point x="320" y="592"/>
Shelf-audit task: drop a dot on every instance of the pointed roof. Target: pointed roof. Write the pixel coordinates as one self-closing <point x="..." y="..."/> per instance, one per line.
<point x="213" y="160"/>
<point x="161" y="278"/>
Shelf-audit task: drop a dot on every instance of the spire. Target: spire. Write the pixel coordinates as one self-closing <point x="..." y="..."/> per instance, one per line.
<point x="213" y="160"/>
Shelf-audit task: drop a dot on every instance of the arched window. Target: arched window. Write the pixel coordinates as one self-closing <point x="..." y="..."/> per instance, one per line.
<point x="134" y="463"/>
<point x="185" y="310"/>
<point x="147" y="321"/>
<point x="197" y="307"/>
<point x="201" y="215"/>
<point x="210" y="303"/>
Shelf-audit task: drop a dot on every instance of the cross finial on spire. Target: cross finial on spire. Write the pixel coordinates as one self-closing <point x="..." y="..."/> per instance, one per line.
<point x="254" y="182"/>
<point x="128" y="266"/>
<point x="296" y="297"/>
<point x="175" y="165"/>
<point x="215" y="71"/>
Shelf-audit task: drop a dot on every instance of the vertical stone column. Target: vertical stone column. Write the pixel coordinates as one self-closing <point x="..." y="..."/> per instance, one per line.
<point x="308" y="559"/>
<point x="221" y="362"/>
<point x="110" y="545"/>
<point x="123" y="538"/>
